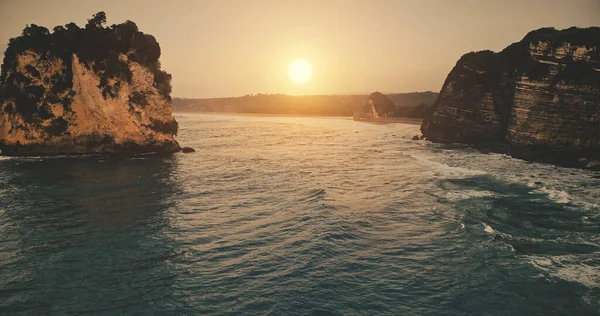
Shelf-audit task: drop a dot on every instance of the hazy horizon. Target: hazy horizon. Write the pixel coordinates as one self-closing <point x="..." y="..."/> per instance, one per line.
<point x="364" y="93"/>
<point x="236" y="48"/>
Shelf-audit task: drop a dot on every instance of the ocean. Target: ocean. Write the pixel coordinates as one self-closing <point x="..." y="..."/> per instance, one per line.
<point x="298" y="216"/>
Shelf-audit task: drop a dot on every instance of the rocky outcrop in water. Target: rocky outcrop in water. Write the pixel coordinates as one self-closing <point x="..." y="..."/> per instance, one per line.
<point x="85" y="90"/>
<point x="539" y="98"/>
<point x="378" y="106"/>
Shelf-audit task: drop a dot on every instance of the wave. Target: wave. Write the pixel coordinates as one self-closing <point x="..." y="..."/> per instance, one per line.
<point x="555" y="195"/>
<point x="488" y="229"/>
<point x="314" y="195"/>
<point x="29" y="158"/>
<point x="447" y="170"/>
<point x="563" y="197"/>
<point x="570" y="268"/>
<point x="468" y="194"/>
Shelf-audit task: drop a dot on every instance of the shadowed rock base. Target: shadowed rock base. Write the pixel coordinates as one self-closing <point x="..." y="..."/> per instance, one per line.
<point x="85" y="145"/>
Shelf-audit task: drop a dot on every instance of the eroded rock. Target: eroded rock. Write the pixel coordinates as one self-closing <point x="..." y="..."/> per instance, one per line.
<point x="539" y="98"/>
<point x="85" y="90"/>
<point x="594" y="165"/>
<point x="378" y="106"/>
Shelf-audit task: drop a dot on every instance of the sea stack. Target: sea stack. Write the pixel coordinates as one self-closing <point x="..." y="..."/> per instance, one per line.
<point x="85" y="90"/>
<point x="538" y="98"/>
<point x="378" y="106"/>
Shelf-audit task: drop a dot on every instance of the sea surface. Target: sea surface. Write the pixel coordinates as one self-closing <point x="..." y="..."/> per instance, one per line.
<point x="298" y="216"/>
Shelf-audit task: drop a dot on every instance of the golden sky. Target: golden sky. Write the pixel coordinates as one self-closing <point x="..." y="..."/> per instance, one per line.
<point x="218" y="48"/>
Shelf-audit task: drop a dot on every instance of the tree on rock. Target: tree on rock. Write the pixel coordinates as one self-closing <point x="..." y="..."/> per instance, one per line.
<point x="97" y="21"/>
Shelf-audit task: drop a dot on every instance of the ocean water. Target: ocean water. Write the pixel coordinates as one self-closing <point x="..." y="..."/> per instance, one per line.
<point x="298" y="216"/>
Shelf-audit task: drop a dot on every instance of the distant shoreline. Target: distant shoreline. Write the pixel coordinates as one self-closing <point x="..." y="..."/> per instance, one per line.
<point x="402" y="120"/>
<point x="307" y="105"/>
<point x="392" y="120"/>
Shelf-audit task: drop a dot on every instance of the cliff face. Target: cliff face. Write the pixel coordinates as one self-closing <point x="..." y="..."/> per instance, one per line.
<point x="85" y="90"/>
<point x="539" y="98"/>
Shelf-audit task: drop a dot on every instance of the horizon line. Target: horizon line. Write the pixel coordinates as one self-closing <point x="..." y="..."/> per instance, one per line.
<point x="303" y="95"/>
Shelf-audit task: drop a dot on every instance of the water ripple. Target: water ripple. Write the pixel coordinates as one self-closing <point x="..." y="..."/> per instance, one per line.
<point x="298" y="216"/>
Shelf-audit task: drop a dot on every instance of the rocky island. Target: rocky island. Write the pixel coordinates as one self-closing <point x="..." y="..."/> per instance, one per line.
<point x="380" y="107"/>
<point x="538" y="99"/>
<point x="85" y="90"/>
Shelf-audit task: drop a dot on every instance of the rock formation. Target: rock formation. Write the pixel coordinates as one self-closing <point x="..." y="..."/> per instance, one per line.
<point x="538" y="98"/>
<point x="85" y="90"/>
<point x="377" y="106"/>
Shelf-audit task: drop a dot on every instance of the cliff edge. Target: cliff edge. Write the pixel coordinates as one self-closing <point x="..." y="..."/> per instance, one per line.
<point x="85" y="90"/>
<point x="538" y="98"/>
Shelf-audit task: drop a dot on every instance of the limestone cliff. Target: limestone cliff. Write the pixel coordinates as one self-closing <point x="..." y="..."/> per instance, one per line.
<point x="538" y="98"/>
<point x="85" y="90"/>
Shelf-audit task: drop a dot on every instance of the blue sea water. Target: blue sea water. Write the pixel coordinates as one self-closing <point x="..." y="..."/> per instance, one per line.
<point x="298" y="216"/>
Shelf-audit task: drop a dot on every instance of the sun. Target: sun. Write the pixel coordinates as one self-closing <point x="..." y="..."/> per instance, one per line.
<point x="300" y="71"/>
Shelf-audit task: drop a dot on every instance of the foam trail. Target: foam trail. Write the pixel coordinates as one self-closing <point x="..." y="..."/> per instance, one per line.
<point x="555" y="195"/>
<point x="488" y="229"/>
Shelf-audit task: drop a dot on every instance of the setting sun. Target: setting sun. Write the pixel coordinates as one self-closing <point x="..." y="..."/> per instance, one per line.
<point x="300" y="71"/>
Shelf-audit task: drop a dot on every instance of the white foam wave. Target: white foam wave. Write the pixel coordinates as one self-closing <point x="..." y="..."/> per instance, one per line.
<point x="448" y="171"/>
<point x="28" y="158"/>
<point x="467" y="194"/>
<point x="555" y="195"/>
<point x="571" y="268"/>
<point x="488" y="229"/>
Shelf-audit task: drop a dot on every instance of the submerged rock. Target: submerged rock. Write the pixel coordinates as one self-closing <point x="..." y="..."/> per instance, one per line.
<point x="187" y="150"/>
<point x="539" y="98"/>
<point x="85" y="90"/>
<point x="594" y="165"/>
<point x="416" y="137"/>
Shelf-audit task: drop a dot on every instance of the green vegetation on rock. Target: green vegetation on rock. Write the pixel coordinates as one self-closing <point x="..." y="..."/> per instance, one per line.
<point x="99" y="48"/>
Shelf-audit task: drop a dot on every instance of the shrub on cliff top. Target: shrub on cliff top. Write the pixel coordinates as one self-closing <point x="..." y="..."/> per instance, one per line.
<point x="589" y="37"/>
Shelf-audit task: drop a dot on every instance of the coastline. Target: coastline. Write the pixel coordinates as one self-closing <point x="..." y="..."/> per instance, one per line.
<point x="401" y="120"/>
<point x="393" y="120"/>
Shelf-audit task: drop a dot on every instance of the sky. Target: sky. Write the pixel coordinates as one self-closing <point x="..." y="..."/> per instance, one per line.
<point x="217" y="48"/>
